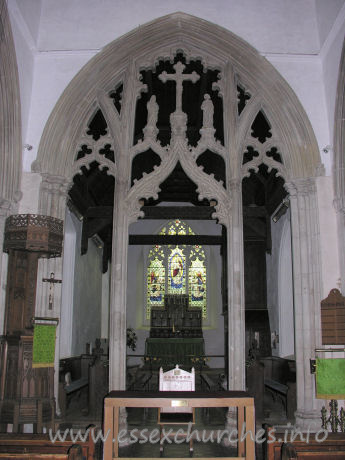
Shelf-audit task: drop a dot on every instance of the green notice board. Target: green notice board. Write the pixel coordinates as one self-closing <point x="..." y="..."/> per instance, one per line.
<point x="330" y="378"/>
<point x="44" y="345"/>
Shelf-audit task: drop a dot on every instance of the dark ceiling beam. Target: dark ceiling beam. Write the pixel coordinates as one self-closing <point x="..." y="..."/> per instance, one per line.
<point x="254" y="211"/>
<point x="100" y="212"/>
<point x="205" y="240"/>
<point x="178" y="212"/>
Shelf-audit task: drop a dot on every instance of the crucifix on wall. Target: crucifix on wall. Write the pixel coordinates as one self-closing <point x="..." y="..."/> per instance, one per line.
<point x="52" y="281"/>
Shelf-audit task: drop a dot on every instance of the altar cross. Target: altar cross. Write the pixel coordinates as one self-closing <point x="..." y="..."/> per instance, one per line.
<point x="179" y="77"/>
<point x="51" y="282"/>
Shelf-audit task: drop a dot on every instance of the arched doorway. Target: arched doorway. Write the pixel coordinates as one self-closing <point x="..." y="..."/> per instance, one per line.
<point x="243" y="72"/>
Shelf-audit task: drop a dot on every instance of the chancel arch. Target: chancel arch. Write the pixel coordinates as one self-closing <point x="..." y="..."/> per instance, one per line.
<point x="247" y="91"/>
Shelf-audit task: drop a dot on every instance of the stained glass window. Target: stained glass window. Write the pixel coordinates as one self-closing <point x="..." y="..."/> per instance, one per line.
<point x="155" y="279"/>
<point x="176" y="270"/>
<point x="197" y="279"/>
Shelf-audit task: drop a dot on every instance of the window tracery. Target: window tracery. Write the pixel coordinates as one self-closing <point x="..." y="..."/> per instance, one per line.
<point x="176" y="270"/>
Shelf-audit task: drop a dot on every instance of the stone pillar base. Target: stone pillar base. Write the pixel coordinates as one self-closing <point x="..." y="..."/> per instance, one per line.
<point x="308" y="420"/>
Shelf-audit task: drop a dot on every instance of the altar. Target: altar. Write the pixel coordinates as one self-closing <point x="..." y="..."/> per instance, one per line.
<point x="175" y="333"/>
<point x="171" y="351"/>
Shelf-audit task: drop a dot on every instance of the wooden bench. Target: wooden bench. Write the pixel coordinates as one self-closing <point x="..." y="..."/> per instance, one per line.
<point x="313" y="451"/>
<point x="208" y="383"/>
<point x="69" y="388"/>
<point x="141" y="382"/>
<point x="276" y="449"/>
<point x="27" y="445"/>
<point x="74" y="453"/>
<point x="280" y="382"/>
<point x="277" y="390"/>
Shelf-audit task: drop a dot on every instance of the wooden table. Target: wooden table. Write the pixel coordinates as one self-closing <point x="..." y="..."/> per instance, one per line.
<point x="238" y="399"/>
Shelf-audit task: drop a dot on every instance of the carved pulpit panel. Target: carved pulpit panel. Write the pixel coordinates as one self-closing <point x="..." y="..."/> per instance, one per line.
<point x="26" y="393"/>
<point x="333" y="319"/>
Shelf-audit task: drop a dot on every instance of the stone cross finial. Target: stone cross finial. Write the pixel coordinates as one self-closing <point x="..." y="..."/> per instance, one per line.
<point x="179" y="77"/>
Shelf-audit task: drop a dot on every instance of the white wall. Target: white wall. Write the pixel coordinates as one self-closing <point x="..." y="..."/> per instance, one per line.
<point x="274" y="26"/>
<point x="87" y="297"/>
<point x="279" y="286"/>
<point x="326" y="14"/>
<point x="25" y="47"/>
<point x="330" y="55"/>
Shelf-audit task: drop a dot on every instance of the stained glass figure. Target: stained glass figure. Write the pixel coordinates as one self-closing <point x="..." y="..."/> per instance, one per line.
<point x="155" y="279"/>
<point x="177" y="271"/>
<point x="197" y="279"/>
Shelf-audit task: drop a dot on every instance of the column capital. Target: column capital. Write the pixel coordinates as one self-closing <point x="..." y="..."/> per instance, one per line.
<point x="235" y="185"/>
<point x="339" y="205"/>
<point x="55" y="184"/>
<point x="301" y="187"/>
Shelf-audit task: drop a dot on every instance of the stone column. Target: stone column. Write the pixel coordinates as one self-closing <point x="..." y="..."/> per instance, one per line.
<point x="235" y="299"/>
<point x="307" y="295"/>
<point x="118" y="291"/>
<point x="118" y="295"/>
<point x="236" y="304"/>
<point x="52" y="202"/>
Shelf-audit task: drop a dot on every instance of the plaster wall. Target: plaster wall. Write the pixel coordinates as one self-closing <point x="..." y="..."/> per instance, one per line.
<point x="24" y="46"/>
<point x="326" y="13"/>
<point x="87" y="297"/>
<point x="328" y="236"/>
<point x="31" y="12"/>
<point x="275" y="27"/>
<point x="53" y="72"/>
<point x="330" y="55"/>
<point x="71" y="226"/>
<point x="304" y="75"/>
<point x="279" y="288"/>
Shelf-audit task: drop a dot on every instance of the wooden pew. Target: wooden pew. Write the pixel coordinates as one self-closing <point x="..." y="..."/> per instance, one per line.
<point x="280" y="382"/>
<point x="40" y="446"/>
<point x="332" y="448"/>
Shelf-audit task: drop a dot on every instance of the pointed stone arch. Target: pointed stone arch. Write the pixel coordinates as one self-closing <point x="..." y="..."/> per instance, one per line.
<point x="10" y="129"/>
<point x="161" y="38"/>
<point x="217" y="48"/>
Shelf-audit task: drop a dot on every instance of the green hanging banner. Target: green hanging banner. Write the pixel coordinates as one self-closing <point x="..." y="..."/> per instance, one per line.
<point x="43" y="354"/>
<point x="330" y="378"/>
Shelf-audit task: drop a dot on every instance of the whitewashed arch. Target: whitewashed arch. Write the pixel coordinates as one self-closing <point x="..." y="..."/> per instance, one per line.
<point x="10" y="134"/>
<point x="218" y="48"/>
